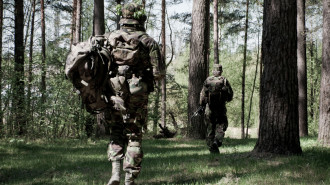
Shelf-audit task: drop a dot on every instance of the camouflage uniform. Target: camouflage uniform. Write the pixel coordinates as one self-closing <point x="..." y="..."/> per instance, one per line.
<point x="131" y="80"/>
<point x="215" y="93"/>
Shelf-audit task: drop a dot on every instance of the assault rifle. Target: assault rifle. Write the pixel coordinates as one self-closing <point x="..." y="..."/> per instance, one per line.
<point x="199" y="111"/>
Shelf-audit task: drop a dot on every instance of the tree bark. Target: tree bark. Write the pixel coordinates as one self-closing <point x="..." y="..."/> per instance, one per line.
<point x="98" y="26"/>
<point x="144" y="4"/>
<point x="1" y="113"/>
<point x="279" y="127"/>
<point x="156" y="109"/>
<point x="118" y="16"/>
<point x="312" y="88"/>
<point x="198" y="64"/>
<point x="99" y="29"/>
<point x="43" y="53"/>
<point x="73" y="22"/>
<point x="28" y="26"/>
<point x="30" y="77"/>
<point x="302" y="68"/>
<point x="164" y="61"/>
<point x="244" y="69"/>
<point x="215" y="32"/>
<point x="78" y="21"/>
<point x="18" y="101"/>
<point x="324" y="122"/>
<point x="253" y="87"/>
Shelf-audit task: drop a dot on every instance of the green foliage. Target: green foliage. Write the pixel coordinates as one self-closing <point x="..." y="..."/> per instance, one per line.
<point x="139" y="14"/>
<point x="177" y="161"/>
<point x="63" y="116"/>
<point x="118" y="9"/>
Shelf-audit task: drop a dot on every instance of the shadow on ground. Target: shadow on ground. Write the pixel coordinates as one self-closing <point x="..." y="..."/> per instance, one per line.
<point x="165" y="162"/>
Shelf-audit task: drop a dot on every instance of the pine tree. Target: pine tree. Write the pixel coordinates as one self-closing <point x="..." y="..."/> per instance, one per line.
<point x="279" y="127"/>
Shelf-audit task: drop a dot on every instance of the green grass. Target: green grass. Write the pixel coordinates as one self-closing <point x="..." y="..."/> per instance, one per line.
<point x="175" y="161"/>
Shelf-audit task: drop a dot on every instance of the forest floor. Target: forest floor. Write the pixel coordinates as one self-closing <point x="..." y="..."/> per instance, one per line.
<point x="166" y="161"/>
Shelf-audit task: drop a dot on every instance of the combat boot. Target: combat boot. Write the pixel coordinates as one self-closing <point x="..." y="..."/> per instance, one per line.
<point x="129" y="179"/>
<point x="217" y="143"/>
<point x="214" y="148"/>
<point x="115" y="174"/>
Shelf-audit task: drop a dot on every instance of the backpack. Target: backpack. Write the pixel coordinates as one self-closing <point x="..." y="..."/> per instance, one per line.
<point x="215" y="86"/>
<point x="127" y="49"/>
<point x="87" y="68"/>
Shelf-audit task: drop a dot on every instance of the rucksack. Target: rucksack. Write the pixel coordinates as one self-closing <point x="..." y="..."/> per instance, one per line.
<point x="215" y="86"/>
<point x="87" y="68"/>
<point x="127" y="49"/>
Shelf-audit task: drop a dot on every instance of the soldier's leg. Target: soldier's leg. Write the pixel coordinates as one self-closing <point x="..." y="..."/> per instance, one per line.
<point x="134" y="154"/>
<point x="116" y="146"/>
<point x="220" y="130"/>
<point x="210" y="128"/>
<point x="133" y="157"/>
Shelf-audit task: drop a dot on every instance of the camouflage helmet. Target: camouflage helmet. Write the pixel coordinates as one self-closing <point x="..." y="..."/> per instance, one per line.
<point x="133" y="13"/>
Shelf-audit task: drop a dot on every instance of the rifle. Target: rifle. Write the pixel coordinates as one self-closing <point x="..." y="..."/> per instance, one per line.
<point x="199" y="111"/>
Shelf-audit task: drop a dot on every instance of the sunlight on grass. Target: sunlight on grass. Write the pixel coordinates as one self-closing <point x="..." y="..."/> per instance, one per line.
<point x="172" y="161"/>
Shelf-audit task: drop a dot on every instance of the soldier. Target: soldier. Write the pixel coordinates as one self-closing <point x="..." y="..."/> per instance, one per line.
<point x="215" y="93"/>
<point x="136" y="65"/>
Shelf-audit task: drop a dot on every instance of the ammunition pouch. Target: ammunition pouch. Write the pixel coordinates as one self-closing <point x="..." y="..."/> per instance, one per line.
<point x="118" y="103"/>
<point x="137" y="86"/>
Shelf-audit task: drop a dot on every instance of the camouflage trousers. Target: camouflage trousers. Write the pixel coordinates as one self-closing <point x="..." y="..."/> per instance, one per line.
<point x="126" y="137"/>
<point x="216" y="124"/>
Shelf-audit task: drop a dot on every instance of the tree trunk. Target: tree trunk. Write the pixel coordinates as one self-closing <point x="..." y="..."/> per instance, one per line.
<point x="18" y="101"/>
<point x="98" y="26"/>
<point x="156" y="109"/>
<point x="244" y="69"/>
<point x="324" y="124"/>
<point x="144" y="4"/>
<point x="302" y="68"/>
<point x="43" y="53"/>
<point x="57" y="21"/>
<point x="30" y="78"/>
<point x="29" y="11"/>
<point x="198" y="70"/>
<point x="312" y="99"/>
<point x="118" y="16"/>
<point x="279" y="127"/>
<point x="164" y="61"/>
<point x="73" y="22"/>
<point x="253" y="87"/>
<point x="99" y="29"/>
<point x="1" y="113"/>
<point x="78" y="21"/>
<point x="215" y="32"/>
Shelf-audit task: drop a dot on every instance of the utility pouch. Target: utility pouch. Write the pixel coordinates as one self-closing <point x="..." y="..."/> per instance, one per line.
<point x="118" y="85"/>
<point x="137" y="86"/>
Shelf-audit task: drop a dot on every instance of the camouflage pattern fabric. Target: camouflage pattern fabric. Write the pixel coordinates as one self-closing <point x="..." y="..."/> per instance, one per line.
<point x="132" y="80"/>
<point x="128" y="135"/>
<point x="133" y="13"/>
<point x="215" y="93"/>
<point x="216" y="124"/>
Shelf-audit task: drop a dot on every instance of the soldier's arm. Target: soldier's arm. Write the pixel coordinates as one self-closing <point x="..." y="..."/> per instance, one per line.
<point x="230" y="92"/>
<point x="203" y="95"/>
<point x="158" y="67"/>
